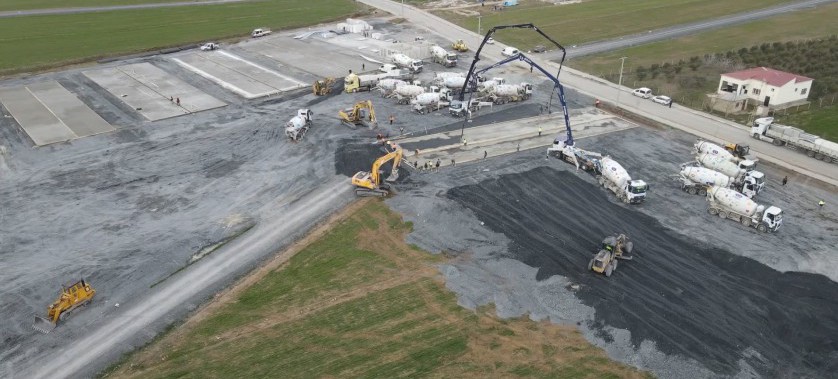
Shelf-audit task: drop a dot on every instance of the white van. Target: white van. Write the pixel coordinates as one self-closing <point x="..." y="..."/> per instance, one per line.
<point x="642" y="92"/>
<point x="509" y="51"/>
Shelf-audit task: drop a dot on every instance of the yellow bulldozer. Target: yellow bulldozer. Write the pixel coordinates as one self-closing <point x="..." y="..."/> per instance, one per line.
<point x="460" y="46"/>
<point x="363" y="113"/>
<point x="369" y="183"/>
<point x="323" y="87"/>
<point x="613" y="248"/>
<point x="72" y="296"/>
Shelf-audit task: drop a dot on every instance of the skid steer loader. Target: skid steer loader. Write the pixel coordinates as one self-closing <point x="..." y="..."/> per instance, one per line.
<point x="72" y="296"/>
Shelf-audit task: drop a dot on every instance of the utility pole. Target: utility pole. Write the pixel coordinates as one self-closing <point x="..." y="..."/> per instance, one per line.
<point x="620" y="81"/>
<point x="478" y="22"/>
<point x="402" y="8"/>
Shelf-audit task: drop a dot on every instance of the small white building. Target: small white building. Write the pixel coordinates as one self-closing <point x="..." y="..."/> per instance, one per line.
<point x="761" y="86"/>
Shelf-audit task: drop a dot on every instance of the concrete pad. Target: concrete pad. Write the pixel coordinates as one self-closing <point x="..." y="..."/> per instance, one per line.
<point x="236" y="74"/>
<point x="82" y="120"/>
<point x="148" y="90"/>
<point x="34" y="117"/>
<point x="191" y="98"/>
<point x="49" y="113"/>
<point x="296" y="53"/>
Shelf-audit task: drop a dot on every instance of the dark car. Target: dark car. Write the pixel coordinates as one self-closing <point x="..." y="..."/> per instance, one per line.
<point x="539" y="49"/>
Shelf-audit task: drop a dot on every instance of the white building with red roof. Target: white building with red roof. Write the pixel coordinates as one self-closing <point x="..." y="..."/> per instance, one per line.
<point x="763" y="86"/>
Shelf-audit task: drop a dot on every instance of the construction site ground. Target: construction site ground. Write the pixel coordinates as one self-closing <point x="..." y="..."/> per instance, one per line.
<point x="160" y="215"/>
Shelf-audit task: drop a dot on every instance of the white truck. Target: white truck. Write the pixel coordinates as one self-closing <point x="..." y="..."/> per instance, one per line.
<point x="260" y="32"/>
<point x="404" y="94"/>
<point x="749" y="183"/>
<point x="584" y="159"/>
<point x="616" y="179"/>
<point x="459" y="109"/>
<point x="389" y="85"/>
<point x="443" y="57"/>
<point x="297" y="127"/>
<point x="508" y="93"/>
<point x="430" y="101"/>
<point x="403" y="61"/>
<point x="696" y="180"/>
<point x="814" y="146"/>
<point x="729" y="204"/>
<point x="357" y="83"/>
<point x="209" y="46"/>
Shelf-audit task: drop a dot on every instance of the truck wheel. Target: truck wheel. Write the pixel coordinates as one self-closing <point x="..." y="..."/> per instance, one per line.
<point x="722" y="214"/>
<point x="712" y="211"/>
<point x="746" y="221"/>
<point x="762" y="228"/>
<point x="777" y="142"/>
<point x="810" y="153"/>
<point x="692" y="190"/>
<point x="615" y="264"/>
<point x="609" y="270"/>
<point x="756" y="136"/>
<point x="818" y="156"/>
<point x="702" y="192"/>
<point x="591" y="265"/>
<point x="826" y="159"/>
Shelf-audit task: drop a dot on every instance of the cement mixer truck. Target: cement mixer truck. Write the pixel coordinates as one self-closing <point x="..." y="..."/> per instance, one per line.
<point x="443" y="57"/>
<point x="404" y="94"/>
<point x="430" y="101"/>
<point x="696" y="180"/>
<point x="389" y="85"/>
<point x="729" y="204"/>
<point x="508" y="93"/>
<point x="749" y="183"/>
<point x="615" y="178"/>
<point x="403" y="61"/>
<point x="297" y="127"/>
<point x="704" y="147"/>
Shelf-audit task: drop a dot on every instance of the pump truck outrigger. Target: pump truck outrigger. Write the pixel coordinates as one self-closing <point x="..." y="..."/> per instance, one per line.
<point x="563" y="144"/>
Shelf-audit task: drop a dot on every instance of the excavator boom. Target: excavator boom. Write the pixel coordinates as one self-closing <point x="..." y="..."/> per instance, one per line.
<point x="355" y="116"/>
<point x="369" y="183"/>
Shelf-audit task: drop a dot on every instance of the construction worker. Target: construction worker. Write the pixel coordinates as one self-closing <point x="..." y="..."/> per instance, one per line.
<point x="177" y="101"/>
<point x="453" y="163"/>
<point x="465" y="141"/>
<point x="485" y="154"/>
<point x="596" y="103"/>
<point x="785" y="179"/>
<point x="821" y="203"/>
<point x="539" y="131"/>
<point x="392" y="118"/>
<point x="437" y="164"/>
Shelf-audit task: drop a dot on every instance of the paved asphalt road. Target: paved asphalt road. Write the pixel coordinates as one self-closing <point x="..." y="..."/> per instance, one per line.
<point x="682" y="30"/>
<point x="701" y="124"/>
<point x="41" y="12"/>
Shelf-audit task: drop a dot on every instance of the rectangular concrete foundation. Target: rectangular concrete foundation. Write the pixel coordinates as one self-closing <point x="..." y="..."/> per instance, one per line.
<point x="49" y="113"/>
<point x="243" y="77"/>
<point x="150" y="90"/>
<point x="296" y="53"/>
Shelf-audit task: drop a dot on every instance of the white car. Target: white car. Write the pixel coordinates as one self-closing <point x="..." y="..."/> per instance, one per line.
<point x="642" y="92"/>
<point x="660" y="99"/>
<point x="490" y="41"/>
<point x="509" y="51"/>
<point x="209" y="46"/>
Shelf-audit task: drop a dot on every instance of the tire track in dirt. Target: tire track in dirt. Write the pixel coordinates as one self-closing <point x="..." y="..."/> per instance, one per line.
<point x="689" y="298"/>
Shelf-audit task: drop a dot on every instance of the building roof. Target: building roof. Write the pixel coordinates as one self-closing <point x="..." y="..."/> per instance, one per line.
<point x="768" y="75"/>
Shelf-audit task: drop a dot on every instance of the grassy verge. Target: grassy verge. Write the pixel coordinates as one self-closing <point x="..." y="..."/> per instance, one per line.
<point x="16" y="5"/>
<point x="73" y="38"/>
<point x="596" y="20"/>
<point x="358" y="301"/>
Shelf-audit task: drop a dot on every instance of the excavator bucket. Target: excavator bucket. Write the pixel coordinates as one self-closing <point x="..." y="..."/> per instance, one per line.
<point x="43" y="325"/>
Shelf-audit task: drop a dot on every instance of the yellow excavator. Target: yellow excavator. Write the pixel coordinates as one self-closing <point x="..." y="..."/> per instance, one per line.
<point x="460" y="46"/>
<point x="362" y="113"/>
<point x="72" y="296"/>
<point x="323" y="87"/>
<point x="369" y="183"/>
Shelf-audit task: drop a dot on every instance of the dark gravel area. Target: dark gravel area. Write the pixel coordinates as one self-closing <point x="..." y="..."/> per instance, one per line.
<point x="690" y="298"/>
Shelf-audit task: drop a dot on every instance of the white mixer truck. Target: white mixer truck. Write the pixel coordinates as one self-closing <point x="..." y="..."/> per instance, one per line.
<point x="749" y="183"/>
<point x="443" y="57"/>
<point x="389" y="85"/>
<point x="508" y="93"/>
<point x="729" y="204"/>
<point x="430" y="101"/>
<point x="404" y="94"/>
<point x="615" y="178"/>
<point x="696" y="180"/>
<point x="403" y="61"/>
<point x="297" y="127"/>
<point x="704" y="147"/>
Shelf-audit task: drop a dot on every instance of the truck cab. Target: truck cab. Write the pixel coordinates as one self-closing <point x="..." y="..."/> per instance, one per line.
<point x="771" y="219"/>
<point x="636" y="191"/>
<point x="259" y="32"/>
<point x="457" y="108"/>
<point x="387" y="67"/>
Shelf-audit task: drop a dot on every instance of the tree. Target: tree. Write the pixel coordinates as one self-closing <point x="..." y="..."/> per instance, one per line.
<point x="641" y="73"/>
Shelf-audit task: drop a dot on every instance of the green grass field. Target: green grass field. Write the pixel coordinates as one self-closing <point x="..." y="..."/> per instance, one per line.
<point x="599" y="19"/>
<point x="63" y="39"/>
<point x="359" y="302"/>
<point x="819" y="121"/>
<point x="16" y="5"/>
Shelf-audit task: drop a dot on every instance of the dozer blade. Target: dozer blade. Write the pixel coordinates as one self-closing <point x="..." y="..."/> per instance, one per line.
<point x="43" y="325"/>
<point x="625" y="257"/>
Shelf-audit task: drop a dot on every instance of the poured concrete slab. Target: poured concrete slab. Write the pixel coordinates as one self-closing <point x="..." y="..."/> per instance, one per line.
<point x="149" y="89"/>
<point x="49" y="113"/>
<point x="236" y="74"/>
<point x="297" y="54"/>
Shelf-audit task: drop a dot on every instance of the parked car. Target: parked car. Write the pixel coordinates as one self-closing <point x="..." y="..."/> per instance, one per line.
<point x="642" y="92"/>
<point x="490" y="41"/>
<point x="209" y="46"/>
<point x="660" y="99"/>
<point x="509" y="51"/>
<point x="539" y="49"/>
